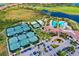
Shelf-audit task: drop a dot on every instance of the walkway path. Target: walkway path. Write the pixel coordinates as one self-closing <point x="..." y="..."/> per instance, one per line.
<point x="74" y="34"/>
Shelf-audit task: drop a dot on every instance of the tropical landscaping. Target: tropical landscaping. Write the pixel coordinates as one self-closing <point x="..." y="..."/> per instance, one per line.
<point x="29" y="13"/>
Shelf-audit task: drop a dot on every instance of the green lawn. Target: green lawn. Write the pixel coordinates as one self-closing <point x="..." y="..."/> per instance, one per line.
<point x="65" y="9"/>
<point x="54" y="45"/>
<point x="3" y="47"/>
<point x="42" y="35"/>
<point x="62" y="53"/>
<point x="12" y="16"/>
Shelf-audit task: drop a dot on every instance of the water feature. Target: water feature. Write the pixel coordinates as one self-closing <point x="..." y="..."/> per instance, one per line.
<point x="62" y="15"/>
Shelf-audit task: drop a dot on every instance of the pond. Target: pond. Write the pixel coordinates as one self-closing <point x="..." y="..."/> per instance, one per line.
<point x="62" y="15"/>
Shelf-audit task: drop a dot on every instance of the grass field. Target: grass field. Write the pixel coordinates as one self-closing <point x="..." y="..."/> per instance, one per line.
<point x="16" y="14"/>
<point x="65" y="9"/>
<point x="19" y="14"/>
<point x="13" y="15"/>
<point x="3" y="46"/>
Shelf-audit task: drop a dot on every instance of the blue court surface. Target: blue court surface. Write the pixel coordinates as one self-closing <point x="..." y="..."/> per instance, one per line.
<point x="22" y="39"/>
<point x="18" y="29"/>
<point x="13" y="40"/>
<point x="14" y="46"/>
<point x="33" y="39"/>
<point x="30" y="34"/>
<point x="10" y="31"/>
<point x="25" y="27"/>
<point x="35" y="24"/>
